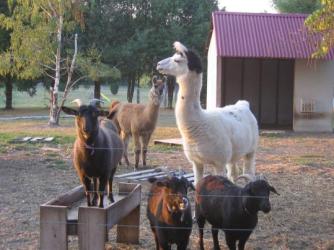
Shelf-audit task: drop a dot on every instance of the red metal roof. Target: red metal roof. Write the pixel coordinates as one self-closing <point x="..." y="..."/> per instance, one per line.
<point x="263" y="35"/>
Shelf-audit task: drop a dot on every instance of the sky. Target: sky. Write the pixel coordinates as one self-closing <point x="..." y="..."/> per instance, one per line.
<point x="257" y="6"/>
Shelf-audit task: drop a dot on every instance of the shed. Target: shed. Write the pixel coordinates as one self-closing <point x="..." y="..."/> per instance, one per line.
<point x="265" y="59"/>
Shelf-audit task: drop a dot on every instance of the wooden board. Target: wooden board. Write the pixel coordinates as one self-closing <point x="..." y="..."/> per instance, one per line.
<point x="169" y="142"/>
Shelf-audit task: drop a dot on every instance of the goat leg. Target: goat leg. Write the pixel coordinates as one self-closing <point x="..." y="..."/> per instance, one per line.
<point x="214" y="232"/>
<point x="95" y="196"/>
<point x="200" y="222"/>
<point x="102" y="187"/>
<point x="88" y="189"/>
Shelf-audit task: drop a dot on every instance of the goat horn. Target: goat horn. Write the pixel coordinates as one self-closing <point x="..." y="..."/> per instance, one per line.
<point x="247" y="177"/>
<point x="77" y="101"/>
<point x="94" y="101"/>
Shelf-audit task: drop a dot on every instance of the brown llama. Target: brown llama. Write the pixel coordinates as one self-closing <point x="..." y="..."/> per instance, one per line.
<point x="138" y="120"/>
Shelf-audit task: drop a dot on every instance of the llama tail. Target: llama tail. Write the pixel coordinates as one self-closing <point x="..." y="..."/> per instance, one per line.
<point x="113" y="109"/>
<point x="242" y="103"/>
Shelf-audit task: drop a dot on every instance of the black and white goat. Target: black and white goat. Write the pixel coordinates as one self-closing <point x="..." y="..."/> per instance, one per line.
<point x="231" y="208"/>
<point x="97" y="151"/>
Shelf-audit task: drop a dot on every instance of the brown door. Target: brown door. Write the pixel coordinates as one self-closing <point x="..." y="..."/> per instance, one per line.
<point x="266" y="83"/>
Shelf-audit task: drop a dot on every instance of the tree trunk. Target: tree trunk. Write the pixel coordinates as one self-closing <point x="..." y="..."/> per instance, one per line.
<point x="54" y="109"/>
<point x="131" y="88"/>
<point x="9" y="93"/>
<point x="138" y="91"/>
<point x="170" y="88"/>
<point x="97" y="90"/>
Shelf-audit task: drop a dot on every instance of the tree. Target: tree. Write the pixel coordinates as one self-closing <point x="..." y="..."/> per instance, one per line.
<point x="92" y="66"/>
<point x="296" y="6"/>
<point x="321" y="24"/>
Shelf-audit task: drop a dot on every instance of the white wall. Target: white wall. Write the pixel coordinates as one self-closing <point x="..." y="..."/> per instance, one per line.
<point x="313" y="87"/>
<point x="211" y="97"/>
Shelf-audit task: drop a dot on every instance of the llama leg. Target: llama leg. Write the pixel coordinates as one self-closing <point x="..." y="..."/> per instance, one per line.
<point x="198" y="172"/>
<point x="125" y="139"/>
<point x="137" y="149"/>
<point x="231" y="171"/>
<point x="145" y="141"/>
<point x="249" y="167"/>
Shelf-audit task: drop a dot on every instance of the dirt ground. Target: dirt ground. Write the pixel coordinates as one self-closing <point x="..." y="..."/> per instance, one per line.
<point x="299" y="166"/>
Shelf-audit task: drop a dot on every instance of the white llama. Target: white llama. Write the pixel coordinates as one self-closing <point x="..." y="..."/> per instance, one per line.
<point x="220" y="136"/>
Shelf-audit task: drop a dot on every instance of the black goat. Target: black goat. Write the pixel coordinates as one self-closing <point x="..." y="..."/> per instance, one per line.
<point x="230" y="208"/>
<point x="97" y="151"/>
<point x="169" y="212"/>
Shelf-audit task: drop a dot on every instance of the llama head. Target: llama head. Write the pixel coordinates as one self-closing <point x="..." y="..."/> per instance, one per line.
<point x="157" y="89"/>
<point x="181" y="62"/>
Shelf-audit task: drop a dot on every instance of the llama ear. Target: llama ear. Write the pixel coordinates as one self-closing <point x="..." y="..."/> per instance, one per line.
<point x="69" y="111"/>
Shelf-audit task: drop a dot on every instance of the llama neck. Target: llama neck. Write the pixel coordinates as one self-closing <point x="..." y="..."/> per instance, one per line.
<point x="188" y="99"/>
<point x="152" y="109"/>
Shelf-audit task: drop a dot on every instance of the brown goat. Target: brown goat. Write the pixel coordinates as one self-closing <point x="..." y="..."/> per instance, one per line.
<point x="138" y="120"/>
<point x="169" y="212"/>
<point x="97" y="151"/>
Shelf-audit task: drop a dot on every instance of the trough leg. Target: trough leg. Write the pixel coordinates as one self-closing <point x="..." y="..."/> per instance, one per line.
<point x="92" y="228"/>
<point x="53" y="228"/>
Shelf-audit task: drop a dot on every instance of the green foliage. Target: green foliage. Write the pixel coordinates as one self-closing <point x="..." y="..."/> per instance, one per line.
<point x="296" y="6"/>
<point x="321" y="23"/>
<point x="92" y="66"/>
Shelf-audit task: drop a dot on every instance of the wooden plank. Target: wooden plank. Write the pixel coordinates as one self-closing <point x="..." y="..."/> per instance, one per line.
<point x="138" y="172"/>
<point x="92" y="229"/>
<point x="124" y="206"/>
<point x="170" y="142"/>
<point x="68" y="198"/>
<point x="128" y="227"/>
<point x="159" y="175"/>
<point x="53" y="229"/>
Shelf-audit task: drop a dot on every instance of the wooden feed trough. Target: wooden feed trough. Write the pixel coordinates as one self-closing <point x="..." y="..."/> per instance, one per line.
<point x="68" y="214"/>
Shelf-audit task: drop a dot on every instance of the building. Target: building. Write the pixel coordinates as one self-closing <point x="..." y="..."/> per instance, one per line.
<point x="265" y="59"/>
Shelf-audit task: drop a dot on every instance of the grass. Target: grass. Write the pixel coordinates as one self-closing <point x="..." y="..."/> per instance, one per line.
<point x="40" y="101"/>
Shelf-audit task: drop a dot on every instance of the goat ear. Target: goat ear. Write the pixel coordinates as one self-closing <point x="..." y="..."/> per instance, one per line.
<point x="69" y="111"/>
<point x="103" y="113"/>
<point x="154" y="80"/>
<point x="273" y="190"/>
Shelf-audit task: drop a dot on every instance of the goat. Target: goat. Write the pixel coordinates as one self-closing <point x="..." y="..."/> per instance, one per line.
<point x="138" y="120"/>
<point x="169" y="212"/>
<point x="97" y="151"/>
<point x="235" y="208"/>
<point x="220" y="136"/>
